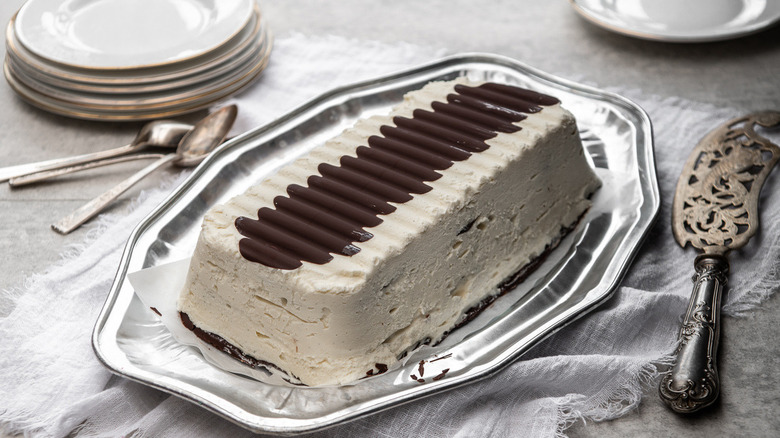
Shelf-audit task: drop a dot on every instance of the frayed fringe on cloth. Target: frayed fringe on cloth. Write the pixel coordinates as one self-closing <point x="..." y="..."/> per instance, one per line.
<point x="614" y="401"/>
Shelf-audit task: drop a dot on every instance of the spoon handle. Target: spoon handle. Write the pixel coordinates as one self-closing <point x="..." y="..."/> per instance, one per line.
<point x="7" y="173"/>
<point x="47" y="174"/>
<point x="95" y="206"/>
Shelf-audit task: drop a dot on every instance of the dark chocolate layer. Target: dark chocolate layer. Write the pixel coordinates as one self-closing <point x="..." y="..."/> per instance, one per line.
<point x="224" y="346"/>
<point x="330" y="214"/>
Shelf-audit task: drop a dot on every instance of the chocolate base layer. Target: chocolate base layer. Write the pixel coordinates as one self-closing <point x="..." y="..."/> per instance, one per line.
<point x="503" y="288"/>
<point x="224" y="346"/>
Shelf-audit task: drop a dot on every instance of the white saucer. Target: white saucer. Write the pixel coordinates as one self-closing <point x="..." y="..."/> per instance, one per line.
<point x="116" y="34"/>
<point x="682" y="21"/>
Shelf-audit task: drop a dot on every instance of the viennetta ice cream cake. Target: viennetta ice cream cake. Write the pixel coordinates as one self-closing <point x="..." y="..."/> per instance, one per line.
<point x="389" y="235"/>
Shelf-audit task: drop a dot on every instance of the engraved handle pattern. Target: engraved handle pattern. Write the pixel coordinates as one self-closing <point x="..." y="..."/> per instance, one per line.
<point x="693" y="383"/>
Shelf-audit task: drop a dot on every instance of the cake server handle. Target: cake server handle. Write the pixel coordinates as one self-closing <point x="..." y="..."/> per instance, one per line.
<point x="95" y="206"/>
<point x="31" y="178"/>
<point x="693" y="382"/>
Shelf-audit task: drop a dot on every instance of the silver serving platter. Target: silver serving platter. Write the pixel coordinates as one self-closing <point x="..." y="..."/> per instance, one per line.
<point x="578" y="276"/>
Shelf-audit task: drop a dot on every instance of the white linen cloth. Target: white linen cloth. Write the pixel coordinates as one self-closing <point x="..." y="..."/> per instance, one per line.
<point x="595" y="369"/>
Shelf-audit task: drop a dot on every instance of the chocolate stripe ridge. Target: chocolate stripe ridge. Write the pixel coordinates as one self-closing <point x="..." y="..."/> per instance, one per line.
<point x="264" y="252"/>
<point x="318" y="233"/>
<point x="485" y="107"/>
<point x="349" y="192"/>
<point x="399" y="146"/>
<point x="421" y="140"/>
<point x="298" y="246"/>
<point x="333" y="220"/>
<point x="452" y="138"/>
<point x="497" y="98"/>
<point x="397" y="177"/>
<point x="384" y="190"/>
<point x="499" y="123"/>
<point x="522" y="93"/>
<point x="393" y="160"/>
<point x="333" y="202"/>
<point x="457" y="124"/>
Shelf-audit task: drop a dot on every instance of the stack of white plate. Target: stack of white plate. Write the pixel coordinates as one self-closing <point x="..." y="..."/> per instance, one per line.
<point x="133" y="59"/>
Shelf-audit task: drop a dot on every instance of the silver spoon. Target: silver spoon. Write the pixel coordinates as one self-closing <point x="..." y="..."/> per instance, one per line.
<point x="163" y="133"/>
<point x="32" y="178"/>
<point x="193" y="148"/>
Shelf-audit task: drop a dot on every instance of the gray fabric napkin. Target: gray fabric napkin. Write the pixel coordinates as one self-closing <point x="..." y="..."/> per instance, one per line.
<point x="595" y="368"/>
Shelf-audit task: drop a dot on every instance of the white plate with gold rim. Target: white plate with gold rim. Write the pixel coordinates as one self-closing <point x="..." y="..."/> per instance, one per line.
<point x="681" y="21"/>
<point x="135" y="111"/>
<point x="122" y="34"/>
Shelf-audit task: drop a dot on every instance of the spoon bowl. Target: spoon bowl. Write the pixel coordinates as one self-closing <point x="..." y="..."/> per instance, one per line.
<point x="207" y="134"/>
<point x="160" y="133"/>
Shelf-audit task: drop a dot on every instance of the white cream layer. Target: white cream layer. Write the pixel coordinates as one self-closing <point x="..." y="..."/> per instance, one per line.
<point x="331" y="323"/>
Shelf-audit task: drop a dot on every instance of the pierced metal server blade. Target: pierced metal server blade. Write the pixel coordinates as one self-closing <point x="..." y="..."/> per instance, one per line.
<point x="715" y="210"/>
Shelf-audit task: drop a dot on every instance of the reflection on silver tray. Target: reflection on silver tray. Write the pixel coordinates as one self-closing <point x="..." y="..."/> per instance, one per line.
<point x="579" y="275"/>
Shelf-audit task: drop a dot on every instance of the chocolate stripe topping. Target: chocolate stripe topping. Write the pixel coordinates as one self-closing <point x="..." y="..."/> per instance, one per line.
<point x="330" y="214"/>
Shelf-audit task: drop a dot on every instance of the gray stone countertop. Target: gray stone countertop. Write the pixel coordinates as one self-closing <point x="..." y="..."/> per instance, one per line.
<point x="742" y="74"/>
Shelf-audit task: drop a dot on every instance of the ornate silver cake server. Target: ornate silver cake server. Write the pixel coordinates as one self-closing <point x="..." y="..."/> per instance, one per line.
<point x="715" y="209"/>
